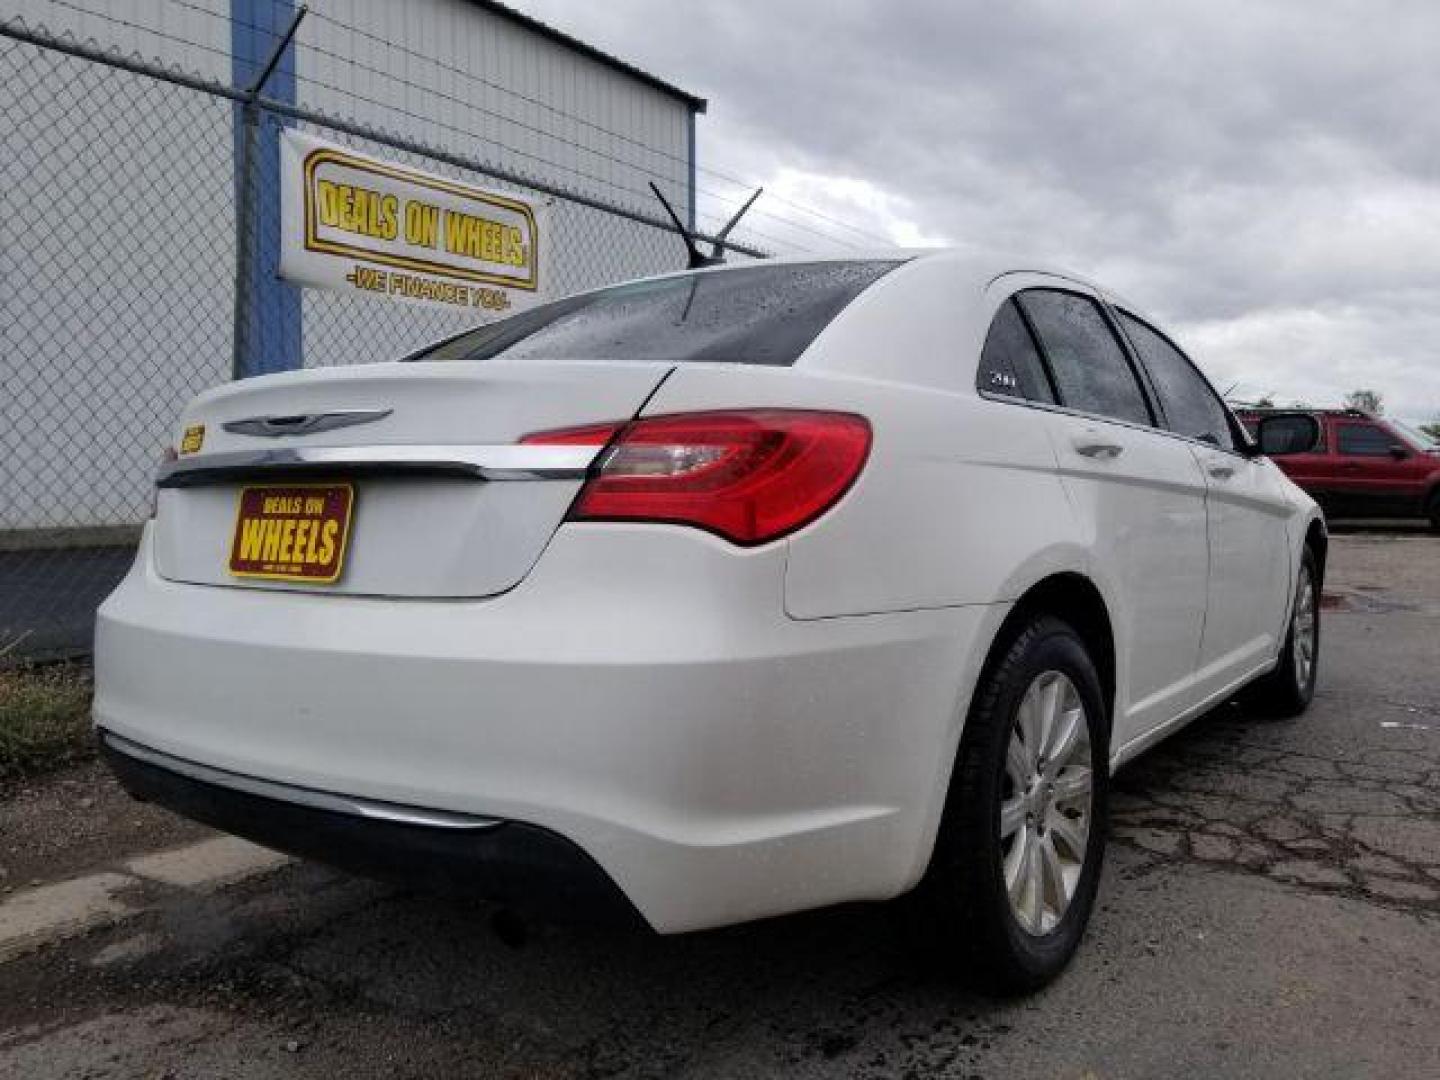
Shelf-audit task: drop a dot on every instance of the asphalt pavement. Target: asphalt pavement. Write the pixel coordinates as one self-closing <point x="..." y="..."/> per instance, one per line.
<point x="1271" y="907"/>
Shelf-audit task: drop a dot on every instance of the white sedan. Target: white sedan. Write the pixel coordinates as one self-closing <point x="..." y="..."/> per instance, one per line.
<point x="716" y="596"/>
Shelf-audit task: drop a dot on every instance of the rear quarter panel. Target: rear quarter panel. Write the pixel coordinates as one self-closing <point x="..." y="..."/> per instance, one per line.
<point x="959" y="502"/>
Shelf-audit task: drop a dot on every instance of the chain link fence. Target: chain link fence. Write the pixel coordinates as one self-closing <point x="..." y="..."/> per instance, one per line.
<point x="130" y="245"/>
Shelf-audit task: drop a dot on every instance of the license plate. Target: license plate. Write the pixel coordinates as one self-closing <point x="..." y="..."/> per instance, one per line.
<point x="292" y="532"/>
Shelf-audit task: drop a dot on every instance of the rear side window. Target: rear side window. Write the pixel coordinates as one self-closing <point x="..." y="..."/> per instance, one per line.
<point x="1364" y="440"/>
<point x="1010" y="364"/>
<point x="1287" y="434"/>
<point x="739" y="315"/>
<point x="1090" y="368"/>
<point x="1191" y="406"/>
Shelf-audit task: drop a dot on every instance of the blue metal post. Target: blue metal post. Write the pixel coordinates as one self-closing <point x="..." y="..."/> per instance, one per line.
<point x="268" y="322"/>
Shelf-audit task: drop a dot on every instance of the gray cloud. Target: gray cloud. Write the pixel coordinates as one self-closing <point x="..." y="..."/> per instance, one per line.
<point x="1265" y="177"/>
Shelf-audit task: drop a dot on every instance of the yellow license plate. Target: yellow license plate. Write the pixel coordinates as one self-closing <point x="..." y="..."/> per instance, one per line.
<point x="292" y="532"/>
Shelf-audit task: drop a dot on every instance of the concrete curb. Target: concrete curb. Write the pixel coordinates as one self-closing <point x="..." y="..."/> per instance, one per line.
<point x="47" y="913"/>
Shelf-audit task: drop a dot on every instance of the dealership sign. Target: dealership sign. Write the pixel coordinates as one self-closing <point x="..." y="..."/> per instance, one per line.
<point x="356" y="223"/>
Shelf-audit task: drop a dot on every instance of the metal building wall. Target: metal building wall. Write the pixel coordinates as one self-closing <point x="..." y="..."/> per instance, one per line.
<point x="457" y="75"/>
<point x="450" y="72"/>
<point x="454" y="73"/>
<point x="194" y="36"/>
<point x="447" y="72"/>
<point x="88" y="389"/>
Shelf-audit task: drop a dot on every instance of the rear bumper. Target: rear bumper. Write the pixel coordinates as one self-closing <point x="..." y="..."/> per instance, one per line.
<point x="509" y="862"/>
<point x="641" y="694"/>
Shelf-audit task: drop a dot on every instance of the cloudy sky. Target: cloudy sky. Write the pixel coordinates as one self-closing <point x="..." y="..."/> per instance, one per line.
<point x="1263" y="177"/>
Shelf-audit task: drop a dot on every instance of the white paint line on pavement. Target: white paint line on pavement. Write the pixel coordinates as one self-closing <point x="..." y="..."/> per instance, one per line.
<point x="49" y="912"/>
<point x="209" y="864"/>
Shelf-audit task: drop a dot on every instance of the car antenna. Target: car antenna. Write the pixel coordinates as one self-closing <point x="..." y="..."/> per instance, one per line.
<point x="697" y="258"/>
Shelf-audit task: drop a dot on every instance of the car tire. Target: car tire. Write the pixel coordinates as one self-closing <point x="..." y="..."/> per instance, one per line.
<point x="970" y="911"/>
<point x="1432" y="511"/>
<point x="1288" y="689"/>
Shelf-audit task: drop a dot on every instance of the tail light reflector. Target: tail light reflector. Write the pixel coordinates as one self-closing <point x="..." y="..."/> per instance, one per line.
<point x="751" y="475"/>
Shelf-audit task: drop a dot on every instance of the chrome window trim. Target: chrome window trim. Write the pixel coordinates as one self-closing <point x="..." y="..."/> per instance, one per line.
<point x="1045" y="279"/>
<point x="370" y="809"/>
<point x="1045" y="406"/>
<point x="504" y="462"/>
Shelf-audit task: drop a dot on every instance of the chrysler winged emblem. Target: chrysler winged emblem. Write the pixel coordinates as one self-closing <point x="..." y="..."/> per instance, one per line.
<point x="304" y="423"/>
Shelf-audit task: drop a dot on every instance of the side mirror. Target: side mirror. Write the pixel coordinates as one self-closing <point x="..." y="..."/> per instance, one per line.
<point x="1398" y="452"/>
<point x="1294" y="434"/>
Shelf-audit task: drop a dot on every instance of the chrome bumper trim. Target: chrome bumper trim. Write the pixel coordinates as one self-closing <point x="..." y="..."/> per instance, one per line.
<point x="371" y="809"/>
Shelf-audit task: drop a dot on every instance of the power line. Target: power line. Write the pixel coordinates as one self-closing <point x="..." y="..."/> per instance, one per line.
<point x="798" y="206"/>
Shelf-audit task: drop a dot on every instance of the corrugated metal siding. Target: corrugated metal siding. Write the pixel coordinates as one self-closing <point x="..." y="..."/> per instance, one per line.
<point x="405" y="67"/>
<point x="121" y="325"/>
<point x="457" y="75"/>
<point x="194" y="37"/>
<point x="529" y="103"/>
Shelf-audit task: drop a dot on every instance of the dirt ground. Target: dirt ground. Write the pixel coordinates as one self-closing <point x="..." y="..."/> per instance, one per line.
<point x="74" y="821"/>
<point x="1271" y="907"/>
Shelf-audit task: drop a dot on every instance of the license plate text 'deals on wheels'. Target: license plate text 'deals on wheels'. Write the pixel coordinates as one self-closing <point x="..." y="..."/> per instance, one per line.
<point x="292" y="532"/>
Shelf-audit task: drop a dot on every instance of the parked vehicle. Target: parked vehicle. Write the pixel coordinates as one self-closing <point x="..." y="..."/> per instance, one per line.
<point x="716" y="596"/>
<point x="1363" y="466"/>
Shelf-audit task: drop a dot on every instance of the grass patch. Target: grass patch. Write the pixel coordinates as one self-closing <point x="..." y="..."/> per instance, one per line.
<point x="44" y="718"/>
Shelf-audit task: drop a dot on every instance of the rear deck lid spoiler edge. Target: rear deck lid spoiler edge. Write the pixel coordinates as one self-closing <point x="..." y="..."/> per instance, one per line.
<point x="504" y="462"/>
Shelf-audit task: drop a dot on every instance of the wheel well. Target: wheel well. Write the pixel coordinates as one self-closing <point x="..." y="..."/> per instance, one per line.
<point x="1073" y="598"/>
<point x="1318" y="541"/>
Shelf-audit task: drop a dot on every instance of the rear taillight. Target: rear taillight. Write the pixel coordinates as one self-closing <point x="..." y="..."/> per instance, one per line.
<point x="750" y="475"/>
<point x="167" y="455"/>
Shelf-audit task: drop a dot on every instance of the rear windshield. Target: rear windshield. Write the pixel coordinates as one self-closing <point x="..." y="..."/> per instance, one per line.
<point x="740" y="315"/>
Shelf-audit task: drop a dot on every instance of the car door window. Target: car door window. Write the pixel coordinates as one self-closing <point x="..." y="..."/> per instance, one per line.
<point x="1191" y="406"/>
<point x="1364" y="440"/>
<point x="1087" y="362"/>
<point x="1290" y="435"/>
<point x="1010" y="364"/>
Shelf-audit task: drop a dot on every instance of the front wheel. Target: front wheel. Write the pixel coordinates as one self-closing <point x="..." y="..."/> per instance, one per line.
<point x="1432" y="511"/>
<point x="1017" y="862"/>
<point x="1289" y="689"/>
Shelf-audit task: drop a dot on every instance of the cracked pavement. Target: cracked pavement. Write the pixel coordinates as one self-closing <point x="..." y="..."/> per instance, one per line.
<point x="1345" y="799"/>
<point x="1359" y="820"/>
<point x="1271" y="907"/>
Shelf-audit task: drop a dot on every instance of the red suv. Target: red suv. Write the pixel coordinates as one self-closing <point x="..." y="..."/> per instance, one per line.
<point x="1363" y="466"/>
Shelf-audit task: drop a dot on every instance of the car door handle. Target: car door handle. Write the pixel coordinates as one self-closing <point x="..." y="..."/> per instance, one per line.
<point x="1101" y="451"/>
<point x="1221" y="472"/>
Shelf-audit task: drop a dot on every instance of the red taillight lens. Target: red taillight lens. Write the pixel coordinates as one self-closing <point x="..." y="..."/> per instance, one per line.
<point x="167" y="455"/>
<point x="749" y="475"/>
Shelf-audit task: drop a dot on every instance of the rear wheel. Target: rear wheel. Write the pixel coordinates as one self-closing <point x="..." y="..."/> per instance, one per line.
<point x="1432" y="510"/>
<point x="1017" y="863"/>
<point x="1289" y="689"/>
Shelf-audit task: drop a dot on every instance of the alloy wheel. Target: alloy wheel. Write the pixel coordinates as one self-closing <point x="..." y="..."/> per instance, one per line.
<point x="1047" y="802"/>
<point x="1304" y="625"/>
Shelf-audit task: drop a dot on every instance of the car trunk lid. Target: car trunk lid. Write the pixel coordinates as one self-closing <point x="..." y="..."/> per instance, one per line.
<point x="400" y="479"/>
